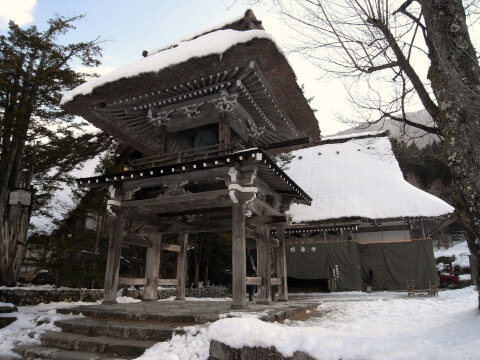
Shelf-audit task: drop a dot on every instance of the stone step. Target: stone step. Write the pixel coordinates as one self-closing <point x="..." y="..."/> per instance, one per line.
<point x="53" y="353"/>
<point x="119" y="329"/>
<point x="114" y="314"/>
<point x="126" y="348"/>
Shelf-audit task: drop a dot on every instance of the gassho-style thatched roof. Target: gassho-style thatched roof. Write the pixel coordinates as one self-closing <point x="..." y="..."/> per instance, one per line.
<point x="236" y="58"/>
<point x="357" y="177"/>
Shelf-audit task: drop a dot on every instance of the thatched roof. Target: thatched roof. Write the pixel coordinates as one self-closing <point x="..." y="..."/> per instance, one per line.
<point x="251" y="66"/>
<point x="357" y="178"/>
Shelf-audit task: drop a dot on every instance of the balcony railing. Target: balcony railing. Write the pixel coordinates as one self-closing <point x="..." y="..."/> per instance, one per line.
<point x="185" y="155"/>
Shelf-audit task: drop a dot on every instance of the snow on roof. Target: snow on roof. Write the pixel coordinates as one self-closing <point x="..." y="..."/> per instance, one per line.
<point x="193" y="36"/>
<point x="354" y="135"/>
<point x="216" y="42"/>
<point x="357" y="178"/>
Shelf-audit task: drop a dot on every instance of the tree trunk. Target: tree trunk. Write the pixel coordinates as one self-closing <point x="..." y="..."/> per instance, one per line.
<point x="14" y="219"/>
<point x="455" y="79"/>
<point x="13" y="233"/>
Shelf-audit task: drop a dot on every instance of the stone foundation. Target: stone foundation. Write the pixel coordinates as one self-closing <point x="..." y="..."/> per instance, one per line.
<point x="220" y="351"/>
<point x="30" y="296"/>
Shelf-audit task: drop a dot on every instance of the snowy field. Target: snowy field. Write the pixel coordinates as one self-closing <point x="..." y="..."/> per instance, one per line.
<point x="352" y="325"/>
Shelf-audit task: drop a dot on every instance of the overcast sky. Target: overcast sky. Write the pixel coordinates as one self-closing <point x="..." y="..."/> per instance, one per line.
<point x="132" y="26"/>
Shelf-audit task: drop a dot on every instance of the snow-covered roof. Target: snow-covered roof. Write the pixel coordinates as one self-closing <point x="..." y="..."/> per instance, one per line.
<point x="202" y="32"/>
<point x="216" y="42"/>
<point x="359" y="178"/>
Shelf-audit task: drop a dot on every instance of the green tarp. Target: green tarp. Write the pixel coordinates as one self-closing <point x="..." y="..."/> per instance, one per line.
<point x="383" y="266"/>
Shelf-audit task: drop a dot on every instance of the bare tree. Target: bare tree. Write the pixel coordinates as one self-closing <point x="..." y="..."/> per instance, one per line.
<point x="406" y="53"/>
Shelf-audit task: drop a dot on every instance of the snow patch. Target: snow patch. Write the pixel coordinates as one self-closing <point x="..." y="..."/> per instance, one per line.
<point x="193" y="345"/>
<point x="461" y="253"/>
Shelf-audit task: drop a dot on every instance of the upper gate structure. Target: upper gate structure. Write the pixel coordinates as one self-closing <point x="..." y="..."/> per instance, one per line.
<point x="203" y="111"/>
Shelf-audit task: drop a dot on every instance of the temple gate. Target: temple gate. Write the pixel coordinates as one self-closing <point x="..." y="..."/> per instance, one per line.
<point x="205" y="124"/>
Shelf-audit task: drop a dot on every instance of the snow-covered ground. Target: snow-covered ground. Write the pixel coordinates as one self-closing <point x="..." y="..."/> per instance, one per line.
<point x="32" y="321"/>
<point x="460" y="251"/>
<point x="351" y="325"/>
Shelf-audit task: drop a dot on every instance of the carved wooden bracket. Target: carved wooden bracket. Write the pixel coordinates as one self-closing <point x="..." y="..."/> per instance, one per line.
<point x="254" y="130"/>
<point x="158" y="118"/>
<point x="174" y="190"/>
<point x="192" y="111"/>
<point x="226" y="102"/>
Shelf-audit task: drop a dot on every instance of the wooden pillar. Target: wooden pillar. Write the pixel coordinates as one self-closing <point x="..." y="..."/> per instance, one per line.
<point x="282" y="264"/>
<point x="152" y="268"/>
<point x="113" y="261"/>
<point x="223" y="130"/>
<point x="182" y="266"/>
<point x="263" y="266"/>
<point x="162" y="140"/>
<point x="238" y="257"/>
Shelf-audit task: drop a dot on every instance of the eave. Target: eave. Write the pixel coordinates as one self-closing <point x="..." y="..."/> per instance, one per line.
<point x="268" y="172"/>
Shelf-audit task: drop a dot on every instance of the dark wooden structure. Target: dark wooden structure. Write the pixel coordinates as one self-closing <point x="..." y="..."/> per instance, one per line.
<point x="204" y="127"/>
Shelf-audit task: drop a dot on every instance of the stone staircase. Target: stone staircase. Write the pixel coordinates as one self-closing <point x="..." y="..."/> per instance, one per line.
<point x="94" y="338"/>
<point x="125" y="331"/>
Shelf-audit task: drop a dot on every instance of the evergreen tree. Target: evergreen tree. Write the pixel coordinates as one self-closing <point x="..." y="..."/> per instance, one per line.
<point x="427" y="165"/>
<point x="39" y="142"/>
<point x="283" y="160"/>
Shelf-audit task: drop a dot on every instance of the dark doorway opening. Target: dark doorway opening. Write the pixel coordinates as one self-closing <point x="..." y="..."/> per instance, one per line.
<point x="307" y="285"/>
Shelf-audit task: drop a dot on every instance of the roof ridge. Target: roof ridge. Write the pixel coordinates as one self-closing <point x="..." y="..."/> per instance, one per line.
<point x="243" y="23"/>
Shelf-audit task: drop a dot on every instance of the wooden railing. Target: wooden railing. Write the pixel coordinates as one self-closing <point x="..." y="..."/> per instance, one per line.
<point x="185" y="155"/>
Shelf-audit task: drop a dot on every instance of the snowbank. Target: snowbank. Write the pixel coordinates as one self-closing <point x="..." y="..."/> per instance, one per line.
<point x="459" y="251"/>
<point x="32" y="321"/>
<point x="393" y="328"/>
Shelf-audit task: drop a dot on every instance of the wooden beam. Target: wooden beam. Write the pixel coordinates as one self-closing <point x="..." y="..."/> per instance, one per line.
<point x="167" y="282"/>
<point x="282" y="264"/>
<point x="223" y="129"/>
<point x="123" y="281"/>
<point x="124" y="134"/>
<point x="176" y="178"/>
<point x="144" y="241"/>
<point x="178" y="204"/>
<point x="267" y="220"/>
<point x="276" y="281"/>
<point x="239" y="126"/>
<point x="260" y="208"/>
<point x="113" y="261"/>
<point x="252" y="234"/>
<point x="253" y="280"/>
<point x="242" y="124"/>
<point x="137" y="240"/>
<point x="185" y="123"/>
<point x="238" y="256"/>
<point x="152" y="268"/>
<point x="182" y="266"/>
<point x="162" y="140"/>
<point x="260" y="75"/>
<point x="176" y="227"/>
<point x="263" y="267"/>
<point x="444" y="224"/>
<point x="171" y="247"/>
<point x="380" y="228"/>
<point x="267" y="190"/>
